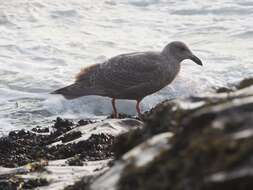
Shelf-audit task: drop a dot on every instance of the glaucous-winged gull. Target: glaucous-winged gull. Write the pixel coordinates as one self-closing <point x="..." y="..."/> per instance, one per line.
<point x="130" y="76"/>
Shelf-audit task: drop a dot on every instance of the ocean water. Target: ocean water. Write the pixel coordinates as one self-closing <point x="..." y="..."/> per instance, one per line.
<point x="44" y="43"/>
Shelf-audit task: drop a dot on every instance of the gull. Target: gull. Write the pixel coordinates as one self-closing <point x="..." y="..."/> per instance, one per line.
<point x="131" y="76"/>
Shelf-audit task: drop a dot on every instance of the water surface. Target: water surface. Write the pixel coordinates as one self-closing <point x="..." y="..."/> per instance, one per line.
<point x="44" y="43"/>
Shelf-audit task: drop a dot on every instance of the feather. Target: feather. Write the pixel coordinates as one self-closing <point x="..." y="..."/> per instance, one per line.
<point x="77" y="90"/>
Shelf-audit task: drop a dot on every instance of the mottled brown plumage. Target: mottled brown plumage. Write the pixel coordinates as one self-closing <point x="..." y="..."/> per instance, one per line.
<point x="130" y="76"/>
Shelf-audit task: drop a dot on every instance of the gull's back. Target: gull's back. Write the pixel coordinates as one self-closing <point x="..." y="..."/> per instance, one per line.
<point x="126" y="76"/>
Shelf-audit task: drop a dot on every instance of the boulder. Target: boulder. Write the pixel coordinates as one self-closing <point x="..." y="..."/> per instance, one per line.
<point x="210" y="146"/>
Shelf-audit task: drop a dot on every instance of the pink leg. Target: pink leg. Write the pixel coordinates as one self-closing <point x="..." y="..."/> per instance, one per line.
<point x="114" y="114"/>
<point x="138" y="108"/>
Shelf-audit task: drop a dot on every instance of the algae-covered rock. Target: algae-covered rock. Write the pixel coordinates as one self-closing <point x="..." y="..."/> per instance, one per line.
<point x="203" y="142"/>
<point x="224" y="90"/>
<point x="199" y="152"/>
<point x="166" y="116"/>
<point x="213" y="150"/>
<point x="83" y="184"/>
<point x="138" y="156"/>
<point x="245" y="83"/>
<point x="212" y="146"/>
<point x="71" y="152"/>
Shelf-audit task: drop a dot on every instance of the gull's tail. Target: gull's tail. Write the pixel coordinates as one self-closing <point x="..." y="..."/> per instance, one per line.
<point x="69" y="92"/>
<point x="77" y="90"/>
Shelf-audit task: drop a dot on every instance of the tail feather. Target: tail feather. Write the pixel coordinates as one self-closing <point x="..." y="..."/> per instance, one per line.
<point x="75" y="91"/>
<point x="68" y="92"/>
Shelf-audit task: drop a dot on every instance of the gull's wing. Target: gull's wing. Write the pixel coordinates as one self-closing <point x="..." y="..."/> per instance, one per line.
<point x="123" y="75"/>
<point x="128" y="70"/>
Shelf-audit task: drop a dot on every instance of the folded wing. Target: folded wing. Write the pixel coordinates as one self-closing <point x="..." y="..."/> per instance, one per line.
<point x="122" y="74"/>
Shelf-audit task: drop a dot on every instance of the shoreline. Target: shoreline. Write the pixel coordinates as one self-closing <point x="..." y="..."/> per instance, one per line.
<point x="207" y="138"/>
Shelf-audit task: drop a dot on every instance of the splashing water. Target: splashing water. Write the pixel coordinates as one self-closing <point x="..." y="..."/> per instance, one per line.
<point x="43" y="44"/>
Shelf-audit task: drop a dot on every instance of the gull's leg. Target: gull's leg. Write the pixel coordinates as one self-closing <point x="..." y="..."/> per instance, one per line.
<point x="138" y="107"/>
<point x="114" y="114"/>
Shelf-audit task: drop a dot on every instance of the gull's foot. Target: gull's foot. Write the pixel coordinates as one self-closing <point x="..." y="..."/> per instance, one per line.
<point x="115" y="116"/>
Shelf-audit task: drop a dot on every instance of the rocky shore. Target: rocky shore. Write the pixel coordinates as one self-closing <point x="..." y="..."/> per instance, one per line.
<point x="195" y="143"/>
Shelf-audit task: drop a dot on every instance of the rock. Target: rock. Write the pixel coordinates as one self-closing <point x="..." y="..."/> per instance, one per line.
<point x="82" y="184"/>
<point x="137" y="157"/>
<point x="197" y="143"/>
<point x="224" y="90"/>
<point x="72" y="150"/>
<point x="245" y="83"/>
<point x="242" y="84"/>
<point x="212" y="146"/>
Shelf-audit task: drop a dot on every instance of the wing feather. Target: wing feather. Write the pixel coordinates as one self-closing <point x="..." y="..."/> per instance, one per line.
<point x="121" y="74"/>
<point x="129" y="70"/>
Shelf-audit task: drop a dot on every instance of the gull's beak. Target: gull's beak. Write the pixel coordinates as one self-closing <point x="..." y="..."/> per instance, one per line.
<point x="195" y="59"/>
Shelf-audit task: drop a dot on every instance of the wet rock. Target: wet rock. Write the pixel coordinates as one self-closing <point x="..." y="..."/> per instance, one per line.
<point x="75" y="161"/>
<point x="62" y="123"/>
<point x="196" y="143"/>
<point x="126" y="141"/>
<point x="84" y="122"/>
<point x="212" y="146"/>
<point x="196" y="154"/>
<point x="241" y="179"/>
<point x="20" y="183"/>
<point x="22" y="147"/>
<point x="76" y="149"/>
<point x="224" y="90"/>
<point x="140" y="156"/>
<point x="83" y="184"/>
<point x="165" y="117"/>
<point x="245" y="83"/>
<point x="33" y="183"/>
<point x="39" y="129"/>
<point x="71" y="136"/>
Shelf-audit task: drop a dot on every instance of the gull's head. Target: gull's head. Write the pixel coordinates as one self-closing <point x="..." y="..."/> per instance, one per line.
<point x="179" y="51"/>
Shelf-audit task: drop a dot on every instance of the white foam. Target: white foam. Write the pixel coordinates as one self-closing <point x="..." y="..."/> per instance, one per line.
<point x="42" y="49"/>
<point x="5" y="127"/>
